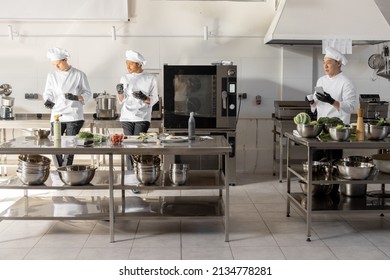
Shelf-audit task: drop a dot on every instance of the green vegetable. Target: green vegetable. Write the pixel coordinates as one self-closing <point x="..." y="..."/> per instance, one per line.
<point x="302" y="118"/>
<point x="85" y="135"/>
<point x="340" y="126"/>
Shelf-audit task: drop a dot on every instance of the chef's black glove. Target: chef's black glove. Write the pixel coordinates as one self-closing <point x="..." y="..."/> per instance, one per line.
<point x="49" y="105"/>
<point x="119" y="88"/>
<point x="140" y="95"/>
<point x="325" y="97"/>
<point x="309" y="101"/>
<point x="70" y="96"/>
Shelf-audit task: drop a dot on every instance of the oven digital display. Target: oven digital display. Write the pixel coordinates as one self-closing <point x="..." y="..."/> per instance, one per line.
<point x="232" y="88"/>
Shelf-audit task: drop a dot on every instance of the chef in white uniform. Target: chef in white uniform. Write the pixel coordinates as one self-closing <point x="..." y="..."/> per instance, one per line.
<point x="66" y="92"/>
<point x="339" y="98"/>
<point x="137" y="93"/>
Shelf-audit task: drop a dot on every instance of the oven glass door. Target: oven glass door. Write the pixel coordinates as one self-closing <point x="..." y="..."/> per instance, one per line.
<point x="189" y="88"/>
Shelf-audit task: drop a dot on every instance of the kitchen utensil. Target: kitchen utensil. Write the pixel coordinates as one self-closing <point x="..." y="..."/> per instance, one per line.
<point x="316" y="190"/>
<point x="354" y="170"/>
<point x="353" y="189"/>
<point x="309" y="130"/>
<point x="42" y="133"/>
<point x="358" y="158"/>
<point x="178" y="173"/>
<point x="375" y="132"/>
<point x="316" y="167"/>
<point x="376" y="61"/>
<point x="37" y="178"/>
<point x="106" y="106"/>
<point x="382" y="162"/>
<point x="340" y="134"/>
<point x="147" y="174"/>
<point x="76" y="174"/>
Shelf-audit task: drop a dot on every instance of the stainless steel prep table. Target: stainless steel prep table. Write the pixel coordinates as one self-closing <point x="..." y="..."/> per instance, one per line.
<point x="216" y="146"/>
<point x="375" y="204"/>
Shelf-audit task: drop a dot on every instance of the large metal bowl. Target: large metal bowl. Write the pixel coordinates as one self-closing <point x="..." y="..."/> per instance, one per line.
<point x="354" y="170"/>
<point x="317" y="167"/>
<point x="309" y="130"/>
<point x="382" y="162"/>
<point x="358" y="158"/>
<point x="340" y="134"/>
<point x="76" y="174"/>
<point x="316" y="190"/>
<point x="36" y="178"/>
<point x="375" y="132"/>
<point x="33" y="160"/>
<point x="147" y="174"/>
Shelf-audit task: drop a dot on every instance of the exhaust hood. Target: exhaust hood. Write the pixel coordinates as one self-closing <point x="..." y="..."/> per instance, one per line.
<point x="308" y="22"/>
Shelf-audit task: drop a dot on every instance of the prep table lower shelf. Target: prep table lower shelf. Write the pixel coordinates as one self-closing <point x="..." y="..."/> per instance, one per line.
<point x="96" y="207"/>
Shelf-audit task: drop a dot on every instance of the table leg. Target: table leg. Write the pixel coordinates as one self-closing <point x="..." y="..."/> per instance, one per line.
<point x="227" y="214"/>
<point x="111" y="194"/>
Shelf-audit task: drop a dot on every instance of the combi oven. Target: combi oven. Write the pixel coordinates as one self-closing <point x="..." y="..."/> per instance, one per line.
<point x="210" y="91"/>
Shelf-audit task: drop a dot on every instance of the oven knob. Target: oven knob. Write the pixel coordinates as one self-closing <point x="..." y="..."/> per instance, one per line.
<point x="232" y="106"/>
<point x="231" y="72"/>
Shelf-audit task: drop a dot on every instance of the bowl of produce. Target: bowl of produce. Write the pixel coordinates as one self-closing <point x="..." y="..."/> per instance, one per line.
<point x="84" y="138"/>
<point x="354" y="170"/>
<point x="382" y="162"/>
<point x="316" y="190"/>
<point x="329" y="122"/>
<point x="117" y="138"/>
<point x="309" y="130"/>
<point x="375" y="132"/>
<point x="76" y="174"/>
<point x="340" y="132"/>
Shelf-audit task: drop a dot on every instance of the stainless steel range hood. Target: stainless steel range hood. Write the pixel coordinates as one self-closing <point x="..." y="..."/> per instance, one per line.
<point x="308" y="22"/>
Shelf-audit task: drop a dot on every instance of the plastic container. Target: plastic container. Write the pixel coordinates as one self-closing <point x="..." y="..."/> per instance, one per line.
<point x="191" y="127"/>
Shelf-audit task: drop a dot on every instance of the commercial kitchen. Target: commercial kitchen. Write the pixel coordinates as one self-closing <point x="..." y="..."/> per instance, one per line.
<point x="239" y="201"/>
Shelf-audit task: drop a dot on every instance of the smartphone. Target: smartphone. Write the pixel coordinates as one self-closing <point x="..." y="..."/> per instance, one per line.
<point x="319" y="89"/>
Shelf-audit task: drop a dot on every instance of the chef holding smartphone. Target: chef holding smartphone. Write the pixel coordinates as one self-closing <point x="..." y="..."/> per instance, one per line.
<point x="334" y="96"/>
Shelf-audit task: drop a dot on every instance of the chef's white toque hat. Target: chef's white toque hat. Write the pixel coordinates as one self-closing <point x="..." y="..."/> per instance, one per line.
<point x="57" y="54"/>
<point x="135" y="57"/>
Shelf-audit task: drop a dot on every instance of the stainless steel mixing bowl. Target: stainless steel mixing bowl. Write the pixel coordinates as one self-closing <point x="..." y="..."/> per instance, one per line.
<point x="36" y="178"/>
<point x="76" y="174"/>
<point x="147" y="174"/>
<point x="340" y="134"/>
<point x="354" y="170"/>
<point x="382" y="162"/>
<point x="375" y="132"/>
<point x="316" y="190"/>
<point x="178" y="173"/>
<point x="309" y="130"/>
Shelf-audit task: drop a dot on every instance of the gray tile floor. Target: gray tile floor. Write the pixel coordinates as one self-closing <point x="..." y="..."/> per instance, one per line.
<point x="259" y="230"/>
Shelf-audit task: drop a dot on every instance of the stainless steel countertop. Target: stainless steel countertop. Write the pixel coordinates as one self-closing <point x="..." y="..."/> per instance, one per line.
<point x="30" y="145"/>
<point x="317" y="143"/>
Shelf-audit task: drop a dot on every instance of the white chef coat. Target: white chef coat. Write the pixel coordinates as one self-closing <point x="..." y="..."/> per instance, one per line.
<point x="60" y="82"/>
<point x="342" y="90"/>
<point x="133" y="109"/>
